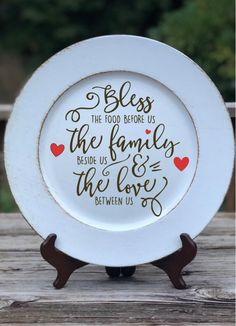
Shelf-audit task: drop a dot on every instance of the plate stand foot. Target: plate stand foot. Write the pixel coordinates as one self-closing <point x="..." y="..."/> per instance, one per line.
<point x="173" y="264"/>
<point x="64" y="264"/>
<point x="120" y="271"/>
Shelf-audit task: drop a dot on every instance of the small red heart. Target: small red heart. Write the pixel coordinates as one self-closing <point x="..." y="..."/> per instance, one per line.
<point x="57" y="149"/>
<point x="181" y="163"/>
<point x="147" y="131"/>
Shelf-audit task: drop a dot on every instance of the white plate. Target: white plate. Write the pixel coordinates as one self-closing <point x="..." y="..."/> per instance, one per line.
<point x="119" y="144"/>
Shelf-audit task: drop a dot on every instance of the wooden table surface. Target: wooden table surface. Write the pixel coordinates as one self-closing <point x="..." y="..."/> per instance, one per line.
<point x="91" y="298"/>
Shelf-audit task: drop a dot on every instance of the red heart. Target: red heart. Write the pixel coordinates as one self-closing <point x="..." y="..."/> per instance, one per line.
<point x="181" y="163"/>
<point x="147" y="131"/>
<point x="57" y="149"/>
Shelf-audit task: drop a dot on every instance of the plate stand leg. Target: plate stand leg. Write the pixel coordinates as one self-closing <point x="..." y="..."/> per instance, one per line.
<point x="173" y="264"/>
<point x="64" y="264"/>
<point x="120" y="271"/>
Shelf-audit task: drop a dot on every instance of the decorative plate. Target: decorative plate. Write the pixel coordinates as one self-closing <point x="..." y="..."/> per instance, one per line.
<point x="119" y="144"/>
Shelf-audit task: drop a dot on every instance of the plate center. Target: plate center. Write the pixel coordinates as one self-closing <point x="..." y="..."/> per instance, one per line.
<point x="118" y="151"/>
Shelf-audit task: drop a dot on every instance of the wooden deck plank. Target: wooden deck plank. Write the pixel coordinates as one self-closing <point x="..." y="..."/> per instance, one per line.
<point x="134" y="312"/>
<point x="15" y="233"/>
<point x="90" y="297"/>
<point x="32" y="242"/>
<point x="104" y="323"/>
<point x="33" y="277"/>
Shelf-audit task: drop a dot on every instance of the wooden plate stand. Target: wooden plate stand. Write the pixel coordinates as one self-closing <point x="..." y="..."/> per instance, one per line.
<point x="172" y="264"/>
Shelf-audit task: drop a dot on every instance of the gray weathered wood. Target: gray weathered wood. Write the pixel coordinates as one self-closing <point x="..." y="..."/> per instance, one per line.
<point x="90" y="297"/>
<point x="231" y="106"/>
<point x="5" y="111"/>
